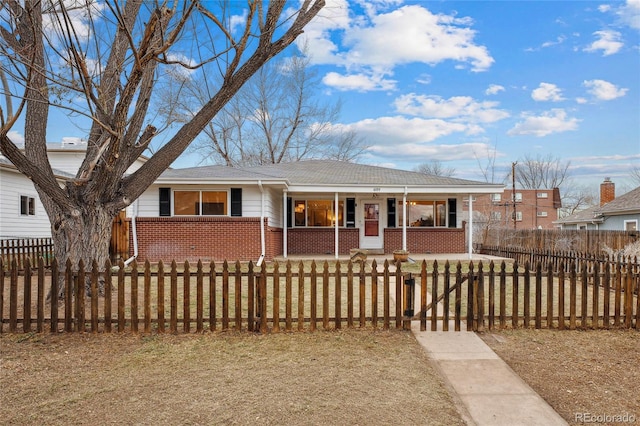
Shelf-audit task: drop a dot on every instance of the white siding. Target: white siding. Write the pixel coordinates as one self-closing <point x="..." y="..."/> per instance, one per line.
<point x="149" y="201"/>
<point x="70" y="161"/>
<point x="12" y="223"/>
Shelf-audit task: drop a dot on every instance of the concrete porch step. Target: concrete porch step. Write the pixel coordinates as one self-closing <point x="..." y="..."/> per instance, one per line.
<point x="372" y="252"/>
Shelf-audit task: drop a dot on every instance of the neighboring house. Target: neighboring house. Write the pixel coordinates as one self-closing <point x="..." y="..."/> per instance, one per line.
<point x="309" y="207"/>
<point x="534" y="208"/>
<point x="22" y="215"/>
<point x="613" y="214"/>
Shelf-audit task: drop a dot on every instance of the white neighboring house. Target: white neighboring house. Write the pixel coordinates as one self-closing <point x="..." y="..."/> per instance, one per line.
<point x="22" y="214"/>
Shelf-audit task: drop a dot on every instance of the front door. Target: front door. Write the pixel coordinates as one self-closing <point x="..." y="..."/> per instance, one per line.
<point x="371" y="229"/>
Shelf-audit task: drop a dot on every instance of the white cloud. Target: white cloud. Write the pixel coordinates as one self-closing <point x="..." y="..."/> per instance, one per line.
<point x="603" y="90"/>
<point x="628" y="14"/>
<point x="554" y="121"/>
<point x="413" y="152"/>
<point x="358" y="82"/>
<point x="608" y="41"/>
<point x="459" y="108"/>
<point x="376" y="44"/>
<point x="494" y="89"/>
<point x="581" y="100"/>
<point x="547" y="92"/>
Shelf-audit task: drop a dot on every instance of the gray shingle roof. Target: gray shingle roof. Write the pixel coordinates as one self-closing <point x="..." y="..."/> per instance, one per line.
<point x="629" y="202"/>
<point x="320" y="172"/>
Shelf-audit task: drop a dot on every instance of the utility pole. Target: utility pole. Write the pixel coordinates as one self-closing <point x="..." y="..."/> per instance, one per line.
<point x="513" y="191"/>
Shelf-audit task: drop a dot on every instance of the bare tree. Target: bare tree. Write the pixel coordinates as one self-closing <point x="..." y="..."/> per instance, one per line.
<point x="112" y="56"/>
<point x="635" y="175"/>
<point x="488" y="169"/>
<point x="576" y="198"/>
<point x="541" y="172"/>
<point x="436" y="168"/>
<point x="275" y="117"/>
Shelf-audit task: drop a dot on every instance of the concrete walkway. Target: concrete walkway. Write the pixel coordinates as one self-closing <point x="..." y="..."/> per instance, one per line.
<point x="487" y="390"/>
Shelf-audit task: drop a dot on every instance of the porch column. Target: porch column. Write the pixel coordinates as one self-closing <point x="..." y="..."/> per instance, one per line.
<point x="404" y="219"/>
<point x="335" y="218"/>
<point x="470" y="226"/>
<point x="284" y="223"/>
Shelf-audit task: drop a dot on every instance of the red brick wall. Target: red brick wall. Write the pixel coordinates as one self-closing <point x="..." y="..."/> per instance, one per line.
<point x="206" y="238"/>
<point x="321" y="240"/>
<point x="426" y="240"/>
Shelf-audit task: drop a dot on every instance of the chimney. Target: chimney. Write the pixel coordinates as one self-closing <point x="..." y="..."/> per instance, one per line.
<point x="607" y="191"/>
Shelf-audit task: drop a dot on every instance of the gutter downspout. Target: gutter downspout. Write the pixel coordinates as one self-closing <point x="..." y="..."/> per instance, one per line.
<point x="262" y="237"/>
<point x="135" y="235"/>
<point x="404" y="219"/>
<point x="470" y="226"/>
<point x="284" y="223"/>
<point x="335" y="218"/>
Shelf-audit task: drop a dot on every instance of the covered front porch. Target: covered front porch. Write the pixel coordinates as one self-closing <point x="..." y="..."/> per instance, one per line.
<point x="417" y="220"/>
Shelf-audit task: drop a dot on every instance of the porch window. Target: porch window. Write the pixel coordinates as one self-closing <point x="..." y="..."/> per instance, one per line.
<point x="200" y="203"/>
<point x="319" y="213"/>
<point x="422" y="213"/>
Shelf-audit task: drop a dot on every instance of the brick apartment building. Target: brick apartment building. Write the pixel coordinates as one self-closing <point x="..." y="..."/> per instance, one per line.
<point x="534" y="208"/>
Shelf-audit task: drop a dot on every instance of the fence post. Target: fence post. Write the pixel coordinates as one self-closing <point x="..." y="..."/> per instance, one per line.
<point x="26" y="310"/>
<point x="434" y="295"/>
<point x="160" y="295"/>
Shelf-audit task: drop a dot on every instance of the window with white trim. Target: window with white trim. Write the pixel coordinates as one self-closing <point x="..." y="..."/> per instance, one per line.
<point x="542" y="195"/>
<point x="496" y="198"/>
<point x="200" y="203"/>
<point x="518" y="216"/>
<point x="320" y="213"/>
<point x="27" y="205"/>
<point x="542" y="214"/>
<point x="518" y="196"/>
<point x="496" y="216"/>
<point x="630" y="225"/>
<point x="425" y="213"/>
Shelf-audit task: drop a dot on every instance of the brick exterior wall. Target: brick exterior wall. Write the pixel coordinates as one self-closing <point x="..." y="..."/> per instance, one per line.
<point x="206" y="238"/>
<point x="532" y="208"/>
<point x="426" y="240"/>
<point x="238" y="238"/>
<point x="321" y="240"/>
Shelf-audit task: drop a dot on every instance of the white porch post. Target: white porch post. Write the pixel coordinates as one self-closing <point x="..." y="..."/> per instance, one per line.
<point x="284" y="224"/>
<point x="335" y="218"/>
<point x="470" y="226"/>
<point x="404" y="219"/>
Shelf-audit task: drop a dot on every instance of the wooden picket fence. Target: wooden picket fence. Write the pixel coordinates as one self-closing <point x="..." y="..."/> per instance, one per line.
<point x="578" y="240"/>
<point x="309" y="296"/>
<point x="556" y="258"/>
<point x="21" y="249"/>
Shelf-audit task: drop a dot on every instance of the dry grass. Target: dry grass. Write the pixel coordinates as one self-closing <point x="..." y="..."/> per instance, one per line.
<point x="338" y="378"/>
<point x="577" y="372"/>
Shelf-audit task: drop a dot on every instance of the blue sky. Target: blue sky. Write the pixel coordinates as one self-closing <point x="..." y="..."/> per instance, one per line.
<point x="454" y="81"/>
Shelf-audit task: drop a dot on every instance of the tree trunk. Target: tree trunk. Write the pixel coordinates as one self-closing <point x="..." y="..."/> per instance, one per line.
<point x="81" y="237"/>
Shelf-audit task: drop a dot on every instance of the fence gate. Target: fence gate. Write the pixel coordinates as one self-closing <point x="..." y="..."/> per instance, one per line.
<point x="119" y="246"/>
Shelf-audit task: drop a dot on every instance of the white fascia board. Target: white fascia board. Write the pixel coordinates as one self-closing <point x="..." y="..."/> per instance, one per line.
<point x="189" y="181"/>
<point x="13" y="169"/>
<point x="372" y="189"/>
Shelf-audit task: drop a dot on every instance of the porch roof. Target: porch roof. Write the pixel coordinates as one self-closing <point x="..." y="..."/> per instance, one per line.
<point x="330" y="176"/>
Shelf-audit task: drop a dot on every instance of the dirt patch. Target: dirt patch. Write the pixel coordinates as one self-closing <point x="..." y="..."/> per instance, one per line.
<point x="588" y="377"/>
<point x="339" y="378"/>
